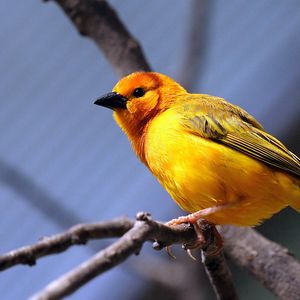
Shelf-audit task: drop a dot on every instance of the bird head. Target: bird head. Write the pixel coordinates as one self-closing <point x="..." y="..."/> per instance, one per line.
<point x="139" y="97"/>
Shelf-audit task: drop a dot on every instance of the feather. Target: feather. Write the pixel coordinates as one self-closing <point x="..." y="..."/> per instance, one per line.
<point x="238" y="130"/>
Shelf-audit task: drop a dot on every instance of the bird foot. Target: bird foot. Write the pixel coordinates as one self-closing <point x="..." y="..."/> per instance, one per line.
<point x="208" y="238"/>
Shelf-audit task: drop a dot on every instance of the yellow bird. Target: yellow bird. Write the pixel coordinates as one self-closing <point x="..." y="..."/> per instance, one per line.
<point x="215" y="160"/>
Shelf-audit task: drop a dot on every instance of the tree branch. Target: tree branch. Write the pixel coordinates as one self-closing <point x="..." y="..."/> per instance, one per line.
<point x="275" y="268"/>
<point x="219" y="275"/>
<point x="133" y="236"/>
<point x="97" y="20"/>
<point x="268" y="262"/>
<point x="144" y="229"/>
<point x="76" y="235"/>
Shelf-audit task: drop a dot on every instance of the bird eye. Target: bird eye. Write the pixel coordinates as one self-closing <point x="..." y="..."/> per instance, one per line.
<point x="139" y="92"/>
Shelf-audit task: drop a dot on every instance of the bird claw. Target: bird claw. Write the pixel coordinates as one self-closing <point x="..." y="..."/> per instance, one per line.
<point x="170" y="253"/>
<point x="201" y="241"/>
<point x="190" y="254"/>
<point x="188" y="251"/>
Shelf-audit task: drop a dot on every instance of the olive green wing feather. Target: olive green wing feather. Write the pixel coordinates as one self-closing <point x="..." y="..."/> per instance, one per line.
<point x="263" y="148"/>
<point x="233" y="127"/>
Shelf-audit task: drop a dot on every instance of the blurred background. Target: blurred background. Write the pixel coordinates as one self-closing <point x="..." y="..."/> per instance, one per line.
<point x="64" y="161"/>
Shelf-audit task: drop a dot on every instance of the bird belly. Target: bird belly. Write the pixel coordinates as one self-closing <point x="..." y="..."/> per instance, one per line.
<point x="199" y="173"/>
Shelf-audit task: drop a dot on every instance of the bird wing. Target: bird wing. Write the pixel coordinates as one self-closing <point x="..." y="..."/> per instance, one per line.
<point x="218" y="120"/>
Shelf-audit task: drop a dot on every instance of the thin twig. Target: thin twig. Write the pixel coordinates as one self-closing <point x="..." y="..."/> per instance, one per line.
<point x="130" y="243"/>
<point x="76" y="235"/>
<point x="215" y="265"/>
<point x="220" y="276"/>
<point x="134" y="234"/>
<point x="276" y="268"/>
<point x="80" y="234"/>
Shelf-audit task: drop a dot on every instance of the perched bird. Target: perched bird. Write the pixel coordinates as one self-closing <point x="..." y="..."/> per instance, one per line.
<point x="215" y="160"/>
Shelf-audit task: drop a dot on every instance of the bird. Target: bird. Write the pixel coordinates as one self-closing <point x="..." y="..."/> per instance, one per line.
<point x="214" y="159"/>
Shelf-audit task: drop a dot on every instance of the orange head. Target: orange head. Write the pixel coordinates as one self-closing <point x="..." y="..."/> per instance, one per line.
<point x="139" y="97"/>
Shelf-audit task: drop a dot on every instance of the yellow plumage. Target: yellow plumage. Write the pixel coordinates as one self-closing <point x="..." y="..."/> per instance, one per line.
<point x="200" y="173"/>
<point x="211" y="156"/>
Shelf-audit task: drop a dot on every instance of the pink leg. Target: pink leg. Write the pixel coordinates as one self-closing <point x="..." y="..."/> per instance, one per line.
<point x="201" y="241"/>
<point x="194" y="217"/>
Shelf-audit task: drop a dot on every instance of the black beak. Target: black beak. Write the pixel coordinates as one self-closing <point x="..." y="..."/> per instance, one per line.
<point x="112" y="100"/>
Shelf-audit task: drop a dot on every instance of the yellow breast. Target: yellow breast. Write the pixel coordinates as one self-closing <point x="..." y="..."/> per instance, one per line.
<point x="200" y="173"/>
